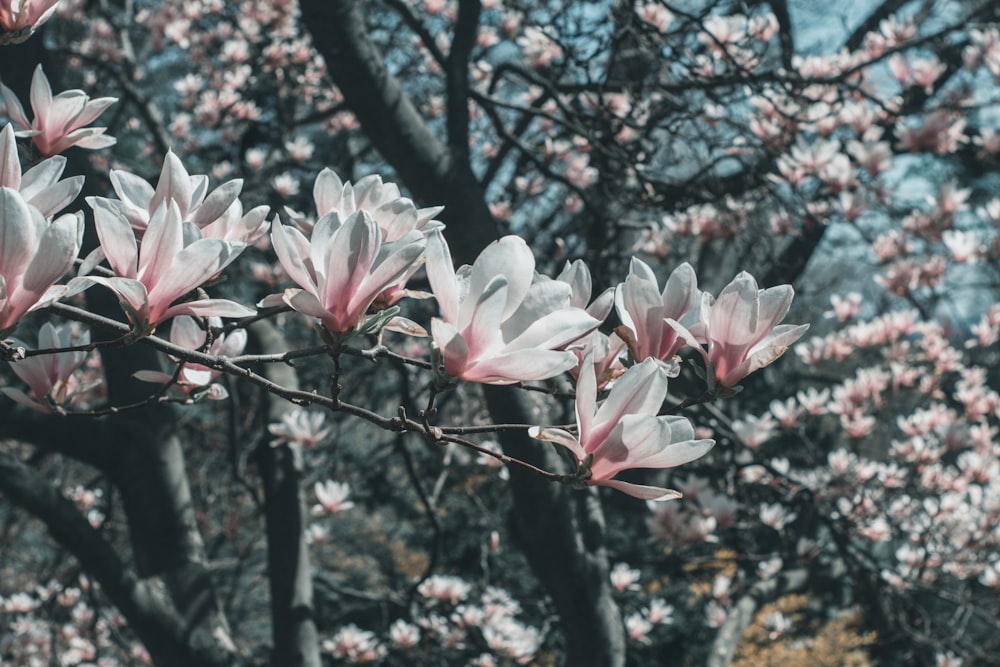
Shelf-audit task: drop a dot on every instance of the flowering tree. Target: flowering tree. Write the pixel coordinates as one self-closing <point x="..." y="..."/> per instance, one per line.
<point x="666" y="147"/>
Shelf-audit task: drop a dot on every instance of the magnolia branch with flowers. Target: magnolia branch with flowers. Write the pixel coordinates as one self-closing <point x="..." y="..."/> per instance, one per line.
<point x="501" y="322"/>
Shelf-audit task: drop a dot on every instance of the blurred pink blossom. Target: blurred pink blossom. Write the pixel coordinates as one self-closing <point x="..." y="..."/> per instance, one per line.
<point x="332" y="497"/>
<point x="300" y="428"/>
<point x="49" y="376"/>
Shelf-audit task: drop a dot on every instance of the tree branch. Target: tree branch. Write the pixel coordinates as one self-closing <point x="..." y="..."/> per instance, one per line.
<point x="427" y="167"/>
<point x="458" y="79"/>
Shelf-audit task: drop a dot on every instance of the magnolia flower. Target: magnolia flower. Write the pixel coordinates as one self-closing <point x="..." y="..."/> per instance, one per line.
<point x="40" y="186"/>
<point x="444" y="587"/>
<point x="59" y="121"/>
<point x="644" y="309"/>
<point x="299" y="428"/>
<point x="48" y="375"/>
<point x="577" y="276"/>
<point x="355" y="645"/>
<point x="659" y="612"/>
<point x="185" y="332"/>
<point x="638" y="627"/>
<point x="625" y="431"/>
<point x="742" y="330"/>
<point x="394" y="214"/>
<point x="500" y="321"/>
<point x="20" y="18"/>
<point x="607" y="349"/>
<point x="624" y="578"/>
<point x="343" y="268"/>
<point x="332" y="497"/>
<point x="604" y="351"/>
<point x="404" y="635"/>
<point x="217" y="215"/>
<point x="34" y="254"/>
<point x="166" y="266"/>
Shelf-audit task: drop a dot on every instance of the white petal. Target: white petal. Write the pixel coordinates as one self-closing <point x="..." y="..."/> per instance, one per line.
<point x="653" y="493"/>
<point x="441" y="275"/>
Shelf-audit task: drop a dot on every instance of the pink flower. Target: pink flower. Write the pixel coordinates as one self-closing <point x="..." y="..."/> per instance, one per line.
<point x="355" y="645"/>
<point x="195" y="378"/>
<point x="606" y="349"/>
<point x="625" y="431"/>
<point x="166" y="266"/>
<point x="48" y="376"/>
<point x="404" y="635"/>
<point x="217" y="215"/>
<point x="20" y="18"/>
<point x="444" y="587"/>
<point x="742" y="330"/>
<point x="638" y="627"/>
<point x="624" y="578"/>
<point x="343" y="268"/>
<point x="394" y="214"/>
<point x="34" y="254"/>
<point x="285" y="184"/>
<point x="299" y="428"/>
<point x="501" y="322"/>
<point x="644" y="310"/>
<point x="40" y="186"/>
<point x="59" y="121"/>
<point x="577" y="276"/>
<point x="656" y="15"/>
<point x="538" y="47"/>
<point x="332" y="497"/>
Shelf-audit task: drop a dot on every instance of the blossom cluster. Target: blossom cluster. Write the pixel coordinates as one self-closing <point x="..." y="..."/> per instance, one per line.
<point x="451" y="621"/>
<point x="501" y="321"/>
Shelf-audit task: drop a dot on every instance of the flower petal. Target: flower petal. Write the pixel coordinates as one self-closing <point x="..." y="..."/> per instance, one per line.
<point x="560" y="437"/>
<point x="292" y="249"/>
<point x="441" y="275"/>
<point x="640" y="491"/>
<point x="116" y="237"/>
<point x="208" y="308"/>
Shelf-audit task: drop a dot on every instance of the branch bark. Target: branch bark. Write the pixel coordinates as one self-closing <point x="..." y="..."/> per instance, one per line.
<point x="296" y="642"/>
<point x="435" y="174"/>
